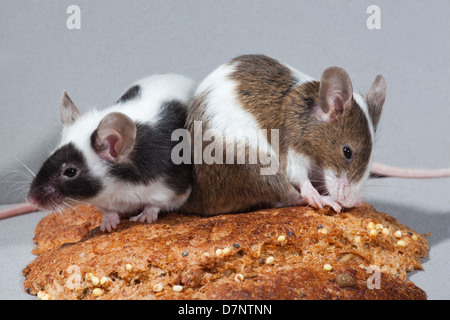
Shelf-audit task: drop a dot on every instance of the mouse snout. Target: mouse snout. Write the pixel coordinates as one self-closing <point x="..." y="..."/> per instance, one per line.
<point x="44" y="197"/>
<point x="32" y="200"/>
<point x="347" y="193"/>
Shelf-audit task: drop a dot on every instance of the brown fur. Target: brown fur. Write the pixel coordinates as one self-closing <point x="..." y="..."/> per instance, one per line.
<point x="323" y="141"/>
<point x="243" y="185"/>
<point x="266" y="88"/>
<point x="263" y="84"/>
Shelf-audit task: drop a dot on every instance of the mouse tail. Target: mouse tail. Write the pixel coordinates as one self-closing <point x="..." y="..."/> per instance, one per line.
<point x="17" y="209"/>
<point x="379" y="170"/>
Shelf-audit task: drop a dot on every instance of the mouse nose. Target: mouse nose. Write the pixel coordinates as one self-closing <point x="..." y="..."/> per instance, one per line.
<point x="31" y="200"/>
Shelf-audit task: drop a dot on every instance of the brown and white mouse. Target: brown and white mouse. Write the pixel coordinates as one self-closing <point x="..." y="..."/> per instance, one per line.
<point x="313" y="140"/>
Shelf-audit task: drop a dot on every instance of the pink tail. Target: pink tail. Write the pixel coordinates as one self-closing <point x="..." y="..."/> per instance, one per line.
<point x="17" y="210"/>
<point x="382" y="170"/>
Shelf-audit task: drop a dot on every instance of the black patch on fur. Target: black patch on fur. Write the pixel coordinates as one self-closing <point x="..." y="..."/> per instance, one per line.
<point x="94" y="140"/>
<point x="151" y="156"/>
<point x="131" y="94"/>
<point x="50" y="185"/>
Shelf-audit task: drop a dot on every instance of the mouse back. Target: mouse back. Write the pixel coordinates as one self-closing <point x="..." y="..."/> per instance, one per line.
<point x="240" y="102"/>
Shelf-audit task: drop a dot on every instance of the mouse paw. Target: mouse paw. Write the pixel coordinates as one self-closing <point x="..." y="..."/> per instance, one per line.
<point x="149" y="215"/>
<point x="313" y="198"/>
<point x="110" y="221"/>
<point x="311" y="195"/>
<point x="330" y="202"/>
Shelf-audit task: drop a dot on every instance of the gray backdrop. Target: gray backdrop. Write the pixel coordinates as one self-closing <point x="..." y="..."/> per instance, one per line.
<point x="122" y="41"/>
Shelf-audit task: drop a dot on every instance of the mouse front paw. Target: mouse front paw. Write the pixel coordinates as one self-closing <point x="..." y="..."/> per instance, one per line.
<point x="330" y="202"/>
<point x="110" y="221"/>
<point x="149" y="215"/>
<point x="313" y="198"/>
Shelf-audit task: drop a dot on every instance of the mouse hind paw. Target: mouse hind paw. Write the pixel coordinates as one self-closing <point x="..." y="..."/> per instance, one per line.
<point x="149" y="215"/>
<point x="110" y="221"/>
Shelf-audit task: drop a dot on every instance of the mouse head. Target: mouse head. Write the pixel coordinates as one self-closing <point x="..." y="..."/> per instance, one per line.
<point x="343" y="136"/>
<point x="76" y="170"/>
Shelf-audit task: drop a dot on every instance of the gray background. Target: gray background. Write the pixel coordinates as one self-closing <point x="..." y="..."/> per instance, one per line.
<point x="122" y="41"/>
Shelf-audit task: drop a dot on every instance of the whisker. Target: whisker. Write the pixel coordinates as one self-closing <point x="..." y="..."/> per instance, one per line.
<point x="13" y="171"/>
<point x="68" y="205"/>
<point x="79" y="201"/>
<point x="74" y="209"/>
<point x="16" y="183"/>
<point x="56" y="207"/>
<point x="23" y="164"/>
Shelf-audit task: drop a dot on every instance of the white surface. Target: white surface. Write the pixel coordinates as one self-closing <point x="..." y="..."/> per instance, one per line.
<point x="16" y="244"/>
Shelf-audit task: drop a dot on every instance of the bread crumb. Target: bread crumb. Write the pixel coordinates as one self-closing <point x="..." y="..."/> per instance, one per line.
<point x="88" y="276"/>
<point x="158" y="287"/>
<point x="129" y="267"/>
<point x="401" y="243"/>
<point x="205" y="255"/>
<point x="219" y="252"/>
<point x="344" y="280"/>
<point x="95" y="281"/>
<point x="41" y="295"/>
<point x="239" y="277"/>
<point x="373" y="232"/>
<point x="97" y="292"/>
<point x="177" y="288"/>
<point x="270" y="260"/>
<point x="104" y="280"/>
<point x="327" y="267"/>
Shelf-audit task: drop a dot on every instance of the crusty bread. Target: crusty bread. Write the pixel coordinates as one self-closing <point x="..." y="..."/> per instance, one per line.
<point x="267" y="254"/>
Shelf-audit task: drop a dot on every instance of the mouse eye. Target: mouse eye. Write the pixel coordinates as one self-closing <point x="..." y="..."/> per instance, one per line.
<point x="70" y="172"/>
<point x="348" y="153"/>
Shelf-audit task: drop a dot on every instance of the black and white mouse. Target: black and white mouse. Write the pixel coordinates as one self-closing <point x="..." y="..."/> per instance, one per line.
<point x="119" y="158"/>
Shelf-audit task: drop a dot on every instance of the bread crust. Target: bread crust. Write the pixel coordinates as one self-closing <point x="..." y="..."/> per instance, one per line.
<point x="204" y="255"/>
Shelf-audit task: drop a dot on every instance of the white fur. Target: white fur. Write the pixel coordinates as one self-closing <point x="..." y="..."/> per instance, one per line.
<point x="298" y="167"/>
<point x="348" y="194"/>
<point x="154" y="90"/>
<point x="363" y="105"/>
<point x="225" y="112"/>
<point x="122" y="197"/>
<point x="117" y="195"/>
<point x="301" y="77"/>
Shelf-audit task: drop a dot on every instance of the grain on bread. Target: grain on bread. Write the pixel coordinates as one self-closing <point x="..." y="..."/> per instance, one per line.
<point x="266" y="254"/>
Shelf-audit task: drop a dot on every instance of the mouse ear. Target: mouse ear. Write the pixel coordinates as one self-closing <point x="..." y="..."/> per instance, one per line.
<point x="334" y="92"/>
<point x="69" y="112"/>
<point x="375" y="99"/>
<point x="115" y="137"/>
